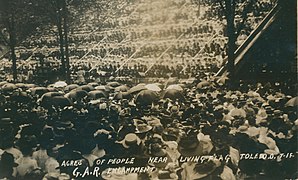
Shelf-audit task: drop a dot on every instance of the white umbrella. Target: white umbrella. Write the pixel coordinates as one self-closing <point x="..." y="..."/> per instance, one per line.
<point x="153" y="87"/>
<point x="60" y="84"/>
<point x="175" y="86"/>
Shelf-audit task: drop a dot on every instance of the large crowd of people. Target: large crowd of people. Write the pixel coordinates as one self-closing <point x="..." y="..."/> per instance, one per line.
<point x="143" y="102"/>
<point x="146" y="34"/>
<point x="252" y="130"/>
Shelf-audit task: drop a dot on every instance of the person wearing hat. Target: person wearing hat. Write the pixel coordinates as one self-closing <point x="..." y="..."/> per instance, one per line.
<point x="7" y="165"/>
<point x="142" y="128"/>
<point x="131" y="145"/>
<point x="189" y="145"/>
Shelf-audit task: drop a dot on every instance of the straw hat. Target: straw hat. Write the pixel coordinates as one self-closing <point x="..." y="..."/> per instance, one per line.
<point x="130" y="140"/>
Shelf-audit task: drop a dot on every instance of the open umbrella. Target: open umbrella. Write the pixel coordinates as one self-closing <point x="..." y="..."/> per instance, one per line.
<point x="2" y="83"/>
<point x="292" y="102"/>
<point x="113" y="84"/>
<point x="51" y="89"/>
<point x="60" y="84"/>
<point x="122" y="88"/>
<point x="21" y="85"/>
<point x="76" y="94"/>
<point x="160" y="85"/>
<point x="121" y="95"/>
<point x="173" y="94"/>
<point x="146" y="97"/>
<point x="86" y="88"/>
<point x="38" y="91"/>
<point x="94" y="84"/>
<point x="137" y="88"/>
<point x="60" y="101"/>
<point x="51" y="94"/>
<point x="70" y="87"/>
<point x="21" y="97"/>
<point x="172" y="80"/>
<point x="30" y="86"/>
<point x="46" y="99"/>
<point x="175" y="86"/>
<point x="103" y="88"/>
<point x="9" y="87"/>
<point x="153" y="87"/>
<point x="97" y="94"/>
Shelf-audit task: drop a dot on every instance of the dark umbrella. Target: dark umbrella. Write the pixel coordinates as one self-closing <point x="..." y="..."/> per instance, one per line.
<point x="173" y="94"/>
<point x="292" y="102"/>
<point x="146" y="97"/>
<point x="60" y="101"/>
<point x="47" y="99"/>
<point x="51" y="89"/>
<point x="71" y="87"/>
<point x="38" y="91"/>
<point x="122" y="95"/>
<point x="22" y="97"/>
<point x="113" y="84"/>
<point x="97" y="94"/>
<point x="76" y="94"/>
<point x="86" y="88"/>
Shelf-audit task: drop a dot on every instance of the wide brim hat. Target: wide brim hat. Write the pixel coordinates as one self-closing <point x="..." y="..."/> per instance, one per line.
<point x="170" y="134"/>
<point x="201" y="170"/>
<point x="190" y="147"/>
<point x="129" y="140"/>
<point x="142" y="128"/>
<point x="207" y="171"/>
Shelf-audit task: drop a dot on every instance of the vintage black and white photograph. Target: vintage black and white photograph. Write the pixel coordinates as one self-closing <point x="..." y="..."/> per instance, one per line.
<point x="148" y="90"/>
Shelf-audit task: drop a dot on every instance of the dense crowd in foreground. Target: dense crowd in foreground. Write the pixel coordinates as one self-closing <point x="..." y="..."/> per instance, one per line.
<point x="44" y="127"/>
